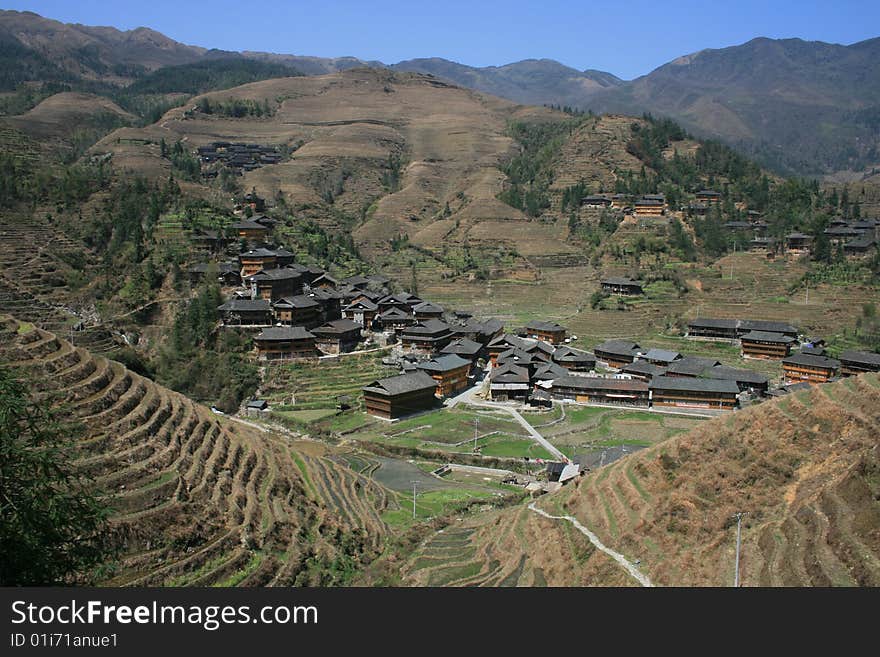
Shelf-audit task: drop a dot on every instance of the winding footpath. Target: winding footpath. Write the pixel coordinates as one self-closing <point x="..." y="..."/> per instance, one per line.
<point x="619" y="558"/>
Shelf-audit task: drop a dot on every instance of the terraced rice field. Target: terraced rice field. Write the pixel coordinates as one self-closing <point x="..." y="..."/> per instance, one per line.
<point x="196" y="500"/>
<point x="318" y="385"/>
<point x="805" y="466"/>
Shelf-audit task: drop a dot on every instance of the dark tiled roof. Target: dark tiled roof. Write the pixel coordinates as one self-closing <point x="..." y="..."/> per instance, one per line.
<point x="810" y="360"/>
<point x="258" y="253"/>
<point x="664" y="355"/>
<point x="427" y="307"/>
<point x="536" y="325"/>
<point x="403" y="383"/>
<point x="509" y="373"/>
<point x="861" y="357"/>
<point x="619" y="347"/>
<point x="462" y="346"/>
<point x="684" y="384"/>
<point x="337" y="326"/>
<point x="298" y="301"/>
<point x="735" y="374"/>
<point x="444" y="363"/>
<point x="279" y="333"/>
<point x="280" y="274"/>
<point x="766" y="325"/>
<point x="596" y="383"/>
<point x="428" y="327"/>
<point x="363" y="304"/>
<point x="245" y="305"/>
<point x="568" y="355"/>
<point x="691" y="365"/>
<point x="644" y="367"/>
<point x="767" y="336"/>
<point x="621" y="280"/>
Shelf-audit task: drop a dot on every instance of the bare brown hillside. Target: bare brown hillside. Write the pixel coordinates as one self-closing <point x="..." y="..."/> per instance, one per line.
<point x="806" y="468"/>
<point x="61" y="115"/>
<point x="197" y="499"/>
<point x="348" y="127"/>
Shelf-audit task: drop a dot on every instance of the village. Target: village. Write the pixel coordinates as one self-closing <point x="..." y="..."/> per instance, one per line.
<point x="302" y="313"/>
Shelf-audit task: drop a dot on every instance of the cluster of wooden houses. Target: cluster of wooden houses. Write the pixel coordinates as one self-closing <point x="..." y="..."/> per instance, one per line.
<point x="776" y="341"/>
<point x="856" y="238"/>
<point x="235" y="156"/>
<point x="528" y="369"/>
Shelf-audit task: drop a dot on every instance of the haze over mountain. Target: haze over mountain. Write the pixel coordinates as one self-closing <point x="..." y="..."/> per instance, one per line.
<point x="799" y="107"/>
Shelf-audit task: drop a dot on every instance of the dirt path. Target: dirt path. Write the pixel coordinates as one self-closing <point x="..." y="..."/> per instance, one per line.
<point x="619" y="558"/>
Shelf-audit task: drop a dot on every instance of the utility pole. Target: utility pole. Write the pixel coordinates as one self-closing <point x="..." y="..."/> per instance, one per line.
<point x="414" y="485"/>
<point x="738" y="517"/>
<point x="807" y="296"/>
<point x="476" y="426"/>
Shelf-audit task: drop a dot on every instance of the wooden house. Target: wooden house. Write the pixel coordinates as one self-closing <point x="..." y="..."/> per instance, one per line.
<point x="747" y="380"/>
<point x="274" y="284"/>
<point x="691" y="366"/>
<point x="426" y="337"/>
<point x="464" y="348"/>
<point x="401" y="395"/>
<point x="708" y="196"/>
<point x="326" y="281"/>
<point x="395" y="319"/>
<point x="298" y="310"/>
<point x="858" y="362"/>
<point x="255" y="260"/>
<point x="509" y="382"/>
<point x="330" y="302"/>
<point x="694" y="392"/>
<point x="643" y="370"/>
<point x="548" y="331"/>
<point x="662" y="357"/>
<point x="649" y="207"/>
<point x="619" y="200"/>
<point x="427" y="310"/>
<point x="227" y="273"/>
<point x="596" y="201"/>
<point x="798" y="242"/>
<point x="250" y="230"/>
<point x="449" y="371"/>
<point x="809" y="368"/>
<point x="617" y="353"/>
<point x="766" y="344"/>
<point x="595" y="390"/>
<point x="246" y="312"/>
<point x="338" y="336"/>
<point x="698" y="209"/>
<point x="860" y="246"/>
<point x="574" y="360"/>
<point x="622" y="286"/>
<point x="363" y="312"/>
<point x="400" y="301"/>
<point x="285" y="342"/>
<point x="502" y="343"/>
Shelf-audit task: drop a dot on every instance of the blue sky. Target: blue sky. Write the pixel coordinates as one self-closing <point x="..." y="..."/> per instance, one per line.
<point x="625" y="38"/>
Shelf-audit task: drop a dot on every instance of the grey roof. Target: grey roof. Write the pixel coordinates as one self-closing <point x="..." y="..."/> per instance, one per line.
<point x="245" y="305"/>
<point x="509" y="373"/>
<point x="538" y="325"/>
<point x="812" y="361"/>
<point x="280" y="274"/>
<point x="621" y="347"/>
<point x="258" y="253"/>
<point x="767" y="336"/>
<point x="691" y="365"/>
<point x="364" y="304"/>
<point x="567" y="354"/>
<point x="427" y="307"/>
<point x="462" y="346"/>
<point x="766" y="325"/>
<point x="735" y="374"/>
<point x="550" y="371"/>
<point x="402" y="383"/>
<point x="428" y="327"/>
<point x="395" y="313"/>
<point x="644" y="367"/>
<point x="664" y="355"/>
<point x="298" y="301"/>
<point x="861" y="357"/>
<point x="597" y="383"/>
<point x="507" y="339"/>
<point x="279" y="333"/>
<point x="708" y="322"/>
<point x="258" y="404"/>
<point x="337" y="326"/>
<point x="444" y="363"/>
<point x="247" y="224"/>
<point x="686" y="384"/>
<point x="517" y="356"/>
<point x="621" y="280"/>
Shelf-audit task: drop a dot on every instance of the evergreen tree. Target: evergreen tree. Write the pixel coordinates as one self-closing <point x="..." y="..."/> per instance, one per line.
<point x="51" y="519"/>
